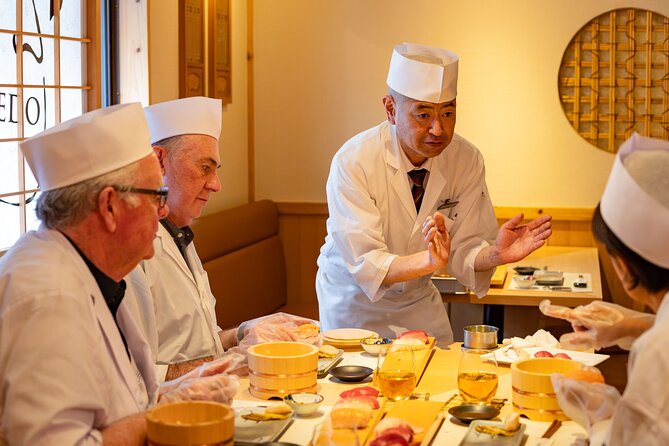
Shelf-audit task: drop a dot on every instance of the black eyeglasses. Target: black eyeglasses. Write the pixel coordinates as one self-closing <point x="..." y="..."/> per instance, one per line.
<point x="160" y="194"/>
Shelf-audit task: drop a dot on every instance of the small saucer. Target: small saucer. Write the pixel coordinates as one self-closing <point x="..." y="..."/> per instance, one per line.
<point x="351" y="373"/>
<point x="470" y="412"/>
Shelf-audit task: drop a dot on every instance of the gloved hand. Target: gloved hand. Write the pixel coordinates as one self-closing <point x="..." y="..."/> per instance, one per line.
<point x="229" y="362"/>
<point x="584" y="402"/>
<point x="599" y="324"/>
<point x="220" y="388"/>
<point x="276" y="327"/>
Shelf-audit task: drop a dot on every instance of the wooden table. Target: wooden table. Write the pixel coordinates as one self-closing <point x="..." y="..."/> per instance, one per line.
<point x="439" y="379"/>
<point x="555" y="258"/>
<point x="515" y="311"/>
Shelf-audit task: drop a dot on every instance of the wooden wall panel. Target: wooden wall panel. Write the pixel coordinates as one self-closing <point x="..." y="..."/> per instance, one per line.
<point x="302" y="230"/>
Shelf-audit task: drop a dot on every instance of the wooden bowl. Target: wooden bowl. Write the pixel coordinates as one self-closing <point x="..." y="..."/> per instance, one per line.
<point x="277" y="369"/>
<point x="532" y="391"/>
<point x="190" y="422"/>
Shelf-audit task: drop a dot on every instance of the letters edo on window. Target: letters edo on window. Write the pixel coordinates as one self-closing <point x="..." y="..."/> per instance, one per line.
<point x="43" y="48"/>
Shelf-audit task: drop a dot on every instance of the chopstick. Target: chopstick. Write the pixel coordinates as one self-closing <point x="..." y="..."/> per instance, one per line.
<point x="555" y="425"/>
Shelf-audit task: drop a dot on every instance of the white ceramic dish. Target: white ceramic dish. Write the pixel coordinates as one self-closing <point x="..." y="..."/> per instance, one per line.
<point x="258" y="431"/>
<point x="304" y="404"/>
<point x="348" y="334"/>
<point x="548" y="278"/>
<point x="371" y="347"/>
<point x="503" y="356"/>
<point x="473" y="437"/>
<point x="524" y="282"/>
<point x="325" y="364"/>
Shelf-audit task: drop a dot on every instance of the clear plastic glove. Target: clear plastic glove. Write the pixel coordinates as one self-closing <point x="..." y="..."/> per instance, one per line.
<point x="599" y="324"/>
<point x="584" y="402"/>
<point x="277" y="327"/>
<point x="229" y="363"/>
<point x="220" y="388"/>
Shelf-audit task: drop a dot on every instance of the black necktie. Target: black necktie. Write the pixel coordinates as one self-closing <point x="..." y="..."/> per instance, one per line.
<point x="417" y="190"/>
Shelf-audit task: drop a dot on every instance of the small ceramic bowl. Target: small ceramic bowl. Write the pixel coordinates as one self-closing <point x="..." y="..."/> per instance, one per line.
<point x="351" y="373"/>
<point x="467" y="413"/>
<point x="524" y="282"/>
<point x="373" y="346"/>
<point x="303" y="403"/>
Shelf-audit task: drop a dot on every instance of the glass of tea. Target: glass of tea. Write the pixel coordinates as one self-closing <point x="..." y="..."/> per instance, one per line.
<point x="477" y="376"/>
<point x="396" y="372"/>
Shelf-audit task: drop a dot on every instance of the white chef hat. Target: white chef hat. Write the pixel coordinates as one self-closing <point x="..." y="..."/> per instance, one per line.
<point x="423" y="73"/>
<point x="88" y="146"/>
<point x="188" y="116"/>
<point x="635" y="203"/>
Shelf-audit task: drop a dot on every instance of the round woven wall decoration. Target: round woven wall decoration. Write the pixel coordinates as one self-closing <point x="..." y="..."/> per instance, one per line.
<point x="614" y="78"/>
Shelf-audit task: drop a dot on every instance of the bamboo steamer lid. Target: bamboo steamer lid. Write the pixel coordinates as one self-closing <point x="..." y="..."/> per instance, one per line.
<point x="190" y="423"/>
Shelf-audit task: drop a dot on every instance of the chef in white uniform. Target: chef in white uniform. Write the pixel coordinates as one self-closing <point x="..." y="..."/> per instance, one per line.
<point x="386" y="236"/>
<point x="632" y="221"/>
<point x="74" y="368"/>
<point x="171" y="297"/>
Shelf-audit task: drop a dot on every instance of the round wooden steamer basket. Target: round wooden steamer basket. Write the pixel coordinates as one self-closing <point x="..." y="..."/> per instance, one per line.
<point x="532" y="390"/>
<point x="277" y="369"/>
<point x="192" y="423"/>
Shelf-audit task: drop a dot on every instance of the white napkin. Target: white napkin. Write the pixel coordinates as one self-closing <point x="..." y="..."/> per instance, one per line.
<point x="541" y="338"/>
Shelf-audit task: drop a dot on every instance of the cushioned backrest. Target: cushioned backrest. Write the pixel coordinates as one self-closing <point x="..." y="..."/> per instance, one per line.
<point x="227" y="231"/>
<point x="242" y="253"/>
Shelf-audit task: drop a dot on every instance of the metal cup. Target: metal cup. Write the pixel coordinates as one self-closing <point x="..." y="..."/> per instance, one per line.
<point x="480" y="336"/>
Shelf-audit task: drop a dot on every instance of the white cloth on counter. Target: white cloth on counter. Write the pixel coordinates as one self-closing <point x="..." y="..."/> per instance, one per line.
<point x="541" y="338"/>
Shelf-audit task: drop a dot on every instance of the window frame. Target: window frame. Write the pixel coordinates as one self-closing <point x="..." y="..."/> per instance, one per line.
<point x="91" y="84"/>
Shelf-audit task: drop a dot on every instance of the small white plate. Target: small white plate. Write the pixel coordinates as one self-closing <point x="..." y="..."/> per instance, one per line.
<point x="258" y="431"/>
<point x="348" y="334"/>
<point x="474" y="438"/>
<point x="592" y="359"/>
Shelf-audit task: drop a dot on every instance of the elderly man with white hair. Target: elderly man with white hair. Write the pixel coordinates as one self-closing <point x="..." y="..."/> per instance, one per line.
<point x="74" y="366"/>
<point x="171" y="296"/>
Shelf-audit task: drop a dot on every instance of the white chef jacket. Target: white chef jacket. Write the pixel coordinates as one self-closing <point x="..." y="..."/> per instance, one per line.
<point x="642" y="414"/>
<point x="372" y="220"/>
<point x="173" y="303"/>
<point x="64" y="371"/>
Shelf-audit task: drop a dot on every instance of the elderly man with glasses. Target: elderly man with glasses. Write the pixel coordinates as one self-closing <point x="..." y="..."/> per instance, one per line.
<point x="74" y="366"/>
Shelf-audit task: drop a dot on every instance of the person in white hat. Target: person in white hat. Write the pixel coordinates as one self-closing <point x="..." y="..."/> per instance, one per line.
<point x="632" y="222"/>
<point x="407" y="198"/>
<point x="169" y="295"/>
<point x="74" y="366"/>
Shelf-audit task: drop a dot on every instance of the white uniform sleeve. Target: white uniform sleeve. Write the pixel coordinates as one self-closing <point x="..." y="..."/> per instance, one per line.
<point x="54" y="393"/>
<point x="642" y="415"/>
<point x="474" y="230"/>
<point x="139" y="302"/>
<point x="357" y="228"/>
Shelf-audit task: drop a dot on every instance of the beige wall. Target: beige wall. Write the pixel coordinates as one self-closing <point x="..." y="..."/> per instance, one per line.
<point x="320" y="68"/>
<point x="164" y="86"/>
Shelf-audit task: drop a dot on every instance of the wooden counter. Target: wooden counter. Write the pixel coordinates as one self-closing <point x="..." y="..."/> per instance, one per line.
<point x="559" y="258"/>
